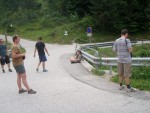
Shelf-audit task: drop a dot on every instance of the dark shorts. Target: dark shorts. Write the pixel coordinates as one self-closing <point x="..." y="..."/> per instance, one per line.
<point x="20" y="69"/>
<point x="4" y="60"/>
<point x="42" y="58"/>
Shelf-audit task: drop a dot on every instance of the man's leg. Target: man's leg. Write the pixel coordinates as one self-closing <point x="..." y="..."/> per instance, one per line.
<point x="127" y="81"/>
<point x="24" y="81"/>
<point x="121" y="77"/>
<point x="43" y="64"/>
<point x="72" y="60"/>
<point x="19" y="81"/>
<point x="3" y="68"/>
<point x="127" y="74"/>
<point x="2" y="64"/>
<point x="120" y="73"/>
<point x="37" y="69"/>
<point x="44" y="59"/>
<point x="8" y="63"/>
<point x="8" y="66"/>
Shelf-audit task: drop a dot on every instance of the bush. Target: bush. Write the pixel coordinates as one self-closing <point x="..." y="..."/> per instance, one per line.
<point x="10" y="29"/>
<point x="86" y="21"/>
<point x="45" y="22"/>
<point x="98" y="72"/>
<point x="82" y="40"/>
<point x="74" y="17"/>
<point x="141" y="51"/>
<point x="141" y="72"/>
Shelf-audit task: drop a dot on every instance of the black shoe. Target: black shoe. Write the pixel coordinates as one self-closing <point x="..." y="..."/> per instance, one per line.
<point x="37" y="70"/>
<point x="10" y="70"/>
<point x="45" y="70"/>
<point x="31" y="91"/>
<point x="3" y="71"/>
<point x="22" y="91"/>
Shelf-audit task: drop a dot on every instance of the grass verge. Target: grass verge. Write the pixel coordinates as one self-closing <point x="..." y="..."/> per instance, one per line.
<point x="140" y="75"/>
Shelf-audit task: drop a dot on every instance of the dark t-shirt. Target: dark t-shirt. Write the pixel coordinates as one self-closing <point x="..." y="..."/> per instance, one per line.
<point x="40" y="47"/>
<point x="3" y="49"/>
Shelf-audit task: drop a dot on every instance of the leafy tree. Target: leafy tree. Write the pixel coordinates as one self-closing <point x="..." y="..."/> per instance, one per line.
<point x="115" y="15"/>
<point x="102" y="11"/>
<point x="68" y="7"/>
<point x="82" y="7"/>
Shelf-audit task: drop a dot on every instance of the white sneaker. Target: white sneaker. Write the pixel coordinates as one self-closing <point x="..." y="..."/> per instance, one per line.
<point x="121" y="87"/>
<point x="131" y="90"/>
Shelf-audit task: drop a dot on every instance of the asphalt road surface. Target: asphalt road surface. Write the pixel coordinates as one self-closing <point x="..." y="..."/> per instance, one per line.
<point x="58" y="91"/>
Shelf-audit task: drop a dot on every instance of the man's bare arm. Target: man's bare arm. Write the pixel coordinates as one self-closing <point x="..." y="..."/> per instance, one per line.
<point x="35" y="52"/>
<point x="130" y="50"/>
<point x="46" y="51"/>
<point x="15" y="55"/>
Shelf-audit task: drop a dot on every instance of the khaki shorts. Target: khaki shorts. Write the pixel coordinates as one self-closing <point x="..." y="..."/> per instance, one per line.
<point x="124" y="69"/>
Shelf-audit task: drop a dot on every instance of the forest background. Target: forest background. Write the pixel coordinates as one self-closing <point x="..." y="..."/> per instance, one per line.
<point x="51" y="18"/>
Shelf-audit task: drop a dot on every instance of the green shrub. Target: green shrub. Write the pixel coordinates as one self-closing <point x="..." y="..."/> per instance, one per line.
<point x="74" y="17"/>
<point x="45" y="22"/>
<point x="10" y="29"/>
<point x="141" y="72"/>
<point x="86" y="22"/>
<point x="98" y="72"/>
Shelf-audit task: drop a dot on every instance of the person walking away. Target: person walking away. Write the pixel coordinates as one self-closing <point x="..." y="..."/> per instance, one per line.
<point x="4" y="56"/>
<point x="17" y="59"/>
<point x="41" y="48"/>
<point x="123" y="48"/>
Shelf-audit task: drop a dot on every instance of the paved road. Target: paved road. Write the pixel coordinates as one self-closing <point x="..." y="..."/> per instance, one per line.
<point x="59" y="92"/>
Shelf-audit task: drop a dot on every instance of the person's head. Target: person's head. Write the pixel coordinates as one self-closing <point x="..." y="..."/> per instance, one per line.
<point x="40" y="38"/>
<point x="78" y="52"/>
<point x="1" y="41"/>
<point x="16" y="39"/>
<point x="124" y="33"/>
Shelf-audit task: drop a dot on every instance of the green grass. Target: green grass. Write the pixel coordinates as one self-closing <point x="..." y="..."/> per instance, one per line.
<point x="140" y="75"/>
<point x="141" y="84"/>
<point x="140" y="78"/>
<point x="98" y="72"/>
<point x="138" y="51"/>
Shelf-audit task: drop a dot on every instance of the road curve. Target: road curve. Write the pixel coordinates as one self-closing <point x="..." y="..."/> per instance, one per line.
<point x="58" y="92"/>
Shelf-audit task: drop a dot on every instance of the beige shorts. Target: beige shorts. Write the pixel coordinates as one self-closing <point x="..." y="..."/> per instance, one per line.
<point x="124" y="69"/>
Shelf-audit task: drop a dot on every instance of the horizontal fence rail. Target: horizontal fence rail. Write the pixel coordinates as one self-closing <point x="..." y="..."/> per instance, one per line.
<point x="97" y="61"/>
<point x="144" y="61"/>
<point x="135" y="62"/>
<point x="94" y="60"/>
<point x="105" y="44"/>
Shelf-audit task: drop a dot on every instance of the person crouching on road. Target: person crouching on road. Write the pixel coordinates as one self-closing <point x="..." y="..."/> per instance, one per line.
<point x="17" y="59"/>
<point x="77" y="57"/>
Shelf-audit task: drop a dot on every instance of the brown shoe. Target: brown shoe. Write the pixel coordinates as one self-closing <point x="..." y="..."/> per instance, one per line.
<point x="22" y="91"/>
<point x="31" y="91"/>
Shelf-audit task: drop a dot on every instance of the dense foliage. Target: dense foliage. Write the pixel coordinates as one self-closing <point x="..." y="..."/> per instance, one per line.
<point x="103" y="15"/>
